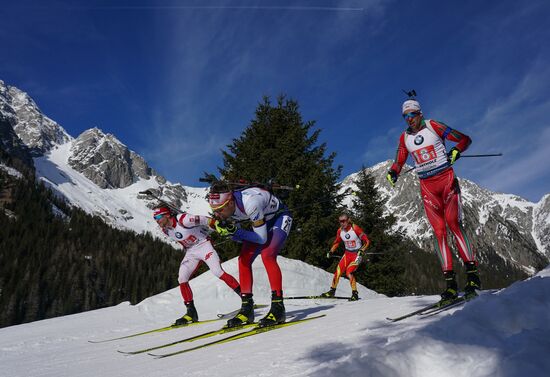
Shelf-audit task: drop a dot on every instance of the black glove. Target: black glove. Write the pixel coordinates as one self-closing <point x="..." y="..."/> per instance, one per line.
<point x="391" y="177"/>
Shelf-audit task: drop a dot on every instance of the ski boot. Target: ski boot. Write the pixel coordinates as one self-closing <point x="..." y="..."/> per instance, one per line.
<point x="277" y="313"/>
<point x="354" y="296"/>
<point x="451" y="293"/>
<point x="246" y="314"/>
<point x="189" y="317"/>
<point x="330" y="293"/>
<point x="473" y="284"/>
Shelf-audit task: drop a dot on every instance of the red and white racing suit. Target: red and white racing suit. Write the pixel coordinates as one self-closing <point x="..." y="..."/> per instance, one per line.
<point x="438" y="185"/>
<point x="191" y="232"/>
<point x="354" y="240"/>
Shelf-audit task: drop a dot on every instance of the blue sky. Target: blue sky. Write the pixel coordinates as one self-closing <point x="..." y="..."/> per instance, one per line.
<point x="176" y="81"/>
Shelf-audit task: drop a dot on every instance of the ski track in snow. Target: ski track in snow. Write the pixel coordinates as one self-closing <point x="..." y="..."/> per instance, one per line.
<point x="502" y="334"/>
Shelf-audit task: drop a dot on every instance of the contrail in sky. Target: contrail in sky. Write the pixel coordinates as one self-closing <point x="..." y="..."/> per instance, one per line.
<point x="221" y="7"/>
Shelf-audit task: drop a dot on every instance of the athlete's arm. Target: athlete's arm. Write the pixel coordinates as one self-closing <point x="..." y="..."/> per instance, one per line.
<point x="258" y="235"/>
<point x="336" y="242"/>
<point x="190" y="221"/>
<point x="362" y="236"/>
<point x="445" y="132"/>
<point x="401" y="155"/>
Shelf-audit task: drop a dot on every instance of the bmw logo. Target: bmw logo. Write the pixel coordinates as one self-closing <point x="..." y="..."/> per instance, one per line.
<point x="179" y="235"/>
<point x="347" y="236"/>
<point x="418" y="140"/>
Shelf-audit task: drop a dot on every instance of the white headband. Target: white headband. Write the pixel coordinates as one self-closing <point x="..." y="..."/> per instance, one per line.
<point x="410" y="105"/>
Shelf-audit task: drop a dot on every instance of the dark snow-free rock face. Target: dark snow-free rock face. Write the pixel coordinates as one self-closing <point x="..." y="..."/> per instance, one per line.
<point x="106" y="161"/>
<point x="10" y="142"/>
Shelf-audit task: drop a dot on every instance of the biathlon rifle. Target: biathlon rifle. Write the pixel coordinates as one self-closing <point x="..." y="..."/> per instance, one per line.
<point x="150" y="192"/>
<point x="411" y="93"/>
<point x="243" y="184"/>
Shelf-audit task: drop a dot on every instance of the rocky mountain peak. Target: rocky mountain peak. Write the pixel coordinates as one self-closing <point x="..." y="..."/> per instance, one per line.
<point x="6" y="111"/>
<point x="39" y="133"/>
<point x="107" y="162"/>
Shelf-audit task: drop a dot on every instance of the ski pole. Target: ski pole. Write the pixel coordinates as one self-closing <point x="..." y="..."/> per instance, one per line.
<point x="221" y="242"/>
<point x="482" y="155"/>
<point x="340" y="256"/>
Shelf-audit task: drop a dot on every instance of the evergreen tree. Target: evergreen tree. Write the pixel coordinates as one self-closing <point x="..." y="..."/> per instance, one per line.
<point x="279" y="146"/>
<point x="384" y="273"/>
<point x="52" y="265"/>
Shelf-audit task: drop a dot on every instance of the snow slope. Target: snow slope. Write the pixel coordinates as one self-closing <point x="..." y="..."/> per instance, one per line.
<point x="501" y="334"/>
<point x="121" y="207"/>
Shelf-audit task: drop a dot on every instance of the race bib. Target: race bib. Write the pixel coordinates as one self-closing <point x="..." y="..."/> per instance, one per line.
<point x="350" y="244"/>
<point x="286" y="224"/>
<point x="189" y="241"/>
<point x="423" y="155"/>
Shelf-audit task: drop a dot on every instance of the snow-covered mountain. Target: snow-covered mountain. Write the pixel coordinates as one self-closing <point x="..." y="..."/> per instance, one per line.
<point x="99" y="174"/>
<point x="95" y="171"/>
<point x="36" y="130"/>
<point x="503" y="334"/>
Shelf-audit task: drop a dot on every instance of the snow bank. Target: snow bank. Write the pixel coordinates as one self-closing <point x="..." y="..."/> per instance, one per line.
<point x="502" y="334"/>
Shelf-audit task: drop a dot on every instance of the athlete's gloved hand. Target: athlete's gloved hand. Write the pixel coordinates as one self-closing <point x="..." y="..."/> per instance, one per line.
<point x="453" y="155"/>
<point x="358" y="258"/>
<point x="392" y="177"/>
<point x="224" y="228"/>
<point x="238" y="235"/>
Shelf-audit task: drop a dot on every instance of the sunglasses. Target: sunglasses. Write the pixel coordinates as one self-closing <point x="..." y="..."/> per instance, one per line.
<point x="220" y="207"/>
<point x="158" y="217"/>
<point x="343" y="221"/>
<point x="411" y="115"/>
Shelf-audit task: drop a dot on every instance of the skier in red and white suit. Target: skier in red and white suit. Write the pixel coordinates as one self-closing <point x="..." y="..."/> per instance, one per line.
<point x="191" y="231"/>
<point x="355" y="241"/>
<point x="425" y="141"/>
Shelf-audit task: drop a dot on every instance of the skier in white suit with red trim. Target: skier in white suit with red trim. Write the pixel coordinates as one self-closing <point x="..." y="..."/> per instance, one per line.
<point x="191" y="231"/>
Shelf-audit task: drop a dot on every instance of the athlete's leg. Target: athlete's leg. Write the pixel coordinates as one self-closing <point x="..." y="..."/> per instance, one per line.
<point x="340" y="269"/>
<point x="276" y="240"/>
<point x="351" y="268"/>
<point x="269" y="254"/>
<point x="188" y="266"/>
<point x="453" y="218"/>
<point x="212" y="259"/>
<point x="249" y="252"/>
<point x="433" y="205"/>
